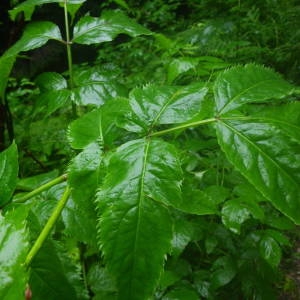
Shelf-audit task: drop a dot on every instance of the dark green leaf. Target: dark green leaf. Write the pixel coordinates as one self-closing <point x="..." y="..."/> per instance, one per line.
<point x="54" y="93"/>
<point x="270" y="250"/>
<point x="90" y="30"/>
<point x="135" y="229"/>
<point x="28" y="6"/>
<point x="9" y="168"/>
<point x="14" y="245"/>
<point x="155" y="105"/>
<point x="269" y="159"/>
<point x="181" y="293"/>
<point x="249" y="84"/>
<point x="223" y="271"/>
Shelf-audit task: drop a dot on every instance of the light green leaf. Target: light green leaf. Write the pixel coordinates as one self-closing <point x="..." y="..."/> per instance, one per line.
<point x="14" y="245"/>
<point x="249" y="84"/>
<point x="154" y="105"/>
<point x="97" y="125"/>
<point x="90" y="30"/>
<point x="9" y="169"/>
<point x="28" y="6"/>
<point x="135" y="229"/>
<point x="270" y="250"/>
<point x="268" y="158"/>
<point x="54" y="93"/>
<point x="94" y="86"/>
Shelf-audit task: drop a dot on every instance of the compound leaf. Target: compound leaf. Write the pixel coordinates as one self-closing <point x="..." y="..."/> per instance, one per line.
<point x="91" y="30"/>
<point x="135" y="229"/>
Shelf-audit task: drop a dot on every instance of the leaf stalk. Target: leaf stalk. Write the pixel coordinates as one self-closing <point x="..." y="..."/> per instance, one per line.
<point x="48" y="227"/>
<point x="41" y="188"/>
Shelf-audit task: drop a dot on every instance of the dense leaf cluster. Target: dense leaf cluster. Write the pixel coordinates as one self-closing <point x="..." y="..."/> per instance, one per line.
<point x="180" y="175"/>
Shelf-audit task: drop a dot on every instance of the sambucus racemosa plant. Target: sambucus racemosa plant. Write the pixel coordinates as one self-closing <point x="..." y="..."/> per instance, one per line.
<point x="132" y="188"/>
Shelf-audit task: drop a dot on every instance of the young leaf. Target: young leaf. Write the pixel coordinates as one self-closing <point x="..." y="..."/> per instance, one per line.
<point x="252" y="83"/>
<point x="135" y="229"/>
<point x="14" y="245"/>
<point x="154" y="105"/>
<point x="267" y="158"/>
<point x="9" y="168"/>
<point x="90" y="30"/>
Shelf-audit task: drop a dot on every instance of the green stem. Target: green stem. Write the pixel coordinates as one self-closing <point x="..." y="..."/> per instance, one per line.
<point x="41" y="188"/>
<point x="184" y="126"/>
<point x="69" y="54"/>
<point x="48" y="227"/>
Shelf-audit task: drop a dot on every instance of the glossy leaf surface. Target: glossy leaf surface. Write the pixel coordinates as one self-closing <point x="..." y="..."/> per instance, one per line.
<point x="83" y="177"/>
<point x="94" y="86"/>
<point x="267" y="158"/>
<point x="14" y="245"/>
<point x="28" y="6"/>
<point x="90" y="30"/>
<point x="155" y="105"/>
<point x="54" y="93"/>
<point x="97" y="125"/>
<point x="9" y="168"/>
<point x="135" y="229"/>
<point x="252" y="83"/>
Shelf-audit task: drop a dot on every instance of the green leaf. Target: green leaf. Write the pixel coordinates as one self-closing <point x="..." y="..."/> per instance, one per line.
<point x="83" y="177"/>
<point x="234" y="214"/>
<point x="181" y="293"/>
<point x="99" y="280"/>
<point x="6" y="64"/>
<point x="14" y="246"/>
<point x="9" y="169"/>
<point x="154" y="105"/>
<point x="252" y="83"/>
<point x="223" y="271"/>
<point x="268" y="158"/>
<point x="270" y="250"/>
<point x="54" y="93"/>
<point x="135" y="229"/>
<point x="35" y="35"/>
<point x="97" y="125"/>
<point x="95" y="86"/>
<point x="90" y="30"/>
<point x="49" y="278"/>
<point x="28" y="7"/>
<point x="181" y="65"/>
